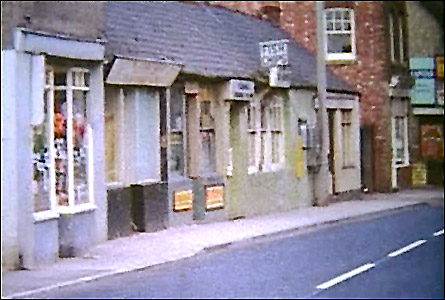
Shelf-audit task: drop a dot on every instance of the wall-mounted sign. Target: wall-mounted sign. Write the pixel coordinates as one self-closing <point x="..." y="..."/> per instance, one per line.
<point x="274" y="53"/>
<point x="183" y="200"/>
<point x="423" y="91"/>
<point x="439" y="67"/>
<point x="419" y="174"/>
<point x="237" y="89"/>
<point x="214" y="197"/>
<point x="279" y="77"/>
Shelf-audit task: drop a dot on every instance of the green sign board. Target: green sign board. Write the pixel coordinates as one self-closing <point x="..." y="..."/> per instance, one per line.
<point x="423" y="92"/>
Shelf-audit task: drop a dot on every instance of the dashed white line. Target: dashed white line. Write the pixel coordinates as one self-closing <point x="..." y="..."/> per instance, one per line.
<point x="345" y="276"/>
<point x="440" y="232"/>
<point x="407" y="248"/>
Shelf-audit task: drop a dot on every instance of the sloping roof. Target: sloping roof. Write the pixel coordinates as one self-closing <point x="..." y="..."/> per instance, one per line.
<point x="206" y="40"/>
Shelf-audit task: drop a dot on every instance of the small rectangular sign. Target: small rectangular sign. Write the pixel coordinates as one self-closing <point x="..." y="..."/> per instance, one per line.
<point x="419" y="174"/>
<point x="183" y="200"/>
<point x="423" y="91"/>
<point x="439" y="67"/>
<point x="214" y="197"/>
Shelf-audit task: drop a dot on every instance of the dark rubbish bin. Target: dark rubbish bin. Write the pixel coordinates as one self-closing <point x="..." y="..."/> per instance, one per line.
<point x="150" y="207"/>
<point x="119" y="212"/>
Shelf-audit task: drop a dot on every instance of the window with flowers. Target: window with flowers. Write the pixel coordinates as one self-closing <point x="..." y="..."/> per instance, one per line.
<point x="61" y="152"/>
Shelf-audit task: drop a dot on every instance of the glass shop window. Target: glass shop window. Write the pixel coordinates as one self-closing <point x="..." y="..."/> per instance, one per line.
<point x="207" y="130"/>
<point x="61" y="142"/>
<point x="176" y="163"/>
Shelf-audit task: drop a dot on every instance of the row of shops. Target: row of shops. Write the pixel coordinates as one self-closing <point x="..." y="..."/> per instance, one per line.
<point x="160" y="125"/>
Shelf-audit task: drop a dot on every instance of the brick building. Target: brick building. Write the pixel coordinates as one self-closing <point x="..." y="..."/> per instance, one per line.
<point x="426" y="51"/>
<point x="373" y="58"/>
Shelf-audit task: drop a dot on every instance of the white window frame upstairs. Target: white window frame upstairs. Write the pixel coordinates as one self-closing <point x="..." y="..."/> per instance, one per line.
<point x="351" y="32"/>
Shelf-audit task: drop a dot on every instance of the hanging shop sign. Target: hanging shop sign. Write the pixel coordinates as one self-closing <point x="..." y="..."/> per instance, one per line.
<point x="274" y="53"/>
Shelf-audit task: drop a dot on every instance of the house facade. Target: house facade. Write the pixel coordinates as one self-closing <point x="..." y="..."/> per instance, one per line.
<point x="366" y="45"/>
<point x="53" y="189"/>
<point x="159" y="114"/>
<point x="426" y="50"/>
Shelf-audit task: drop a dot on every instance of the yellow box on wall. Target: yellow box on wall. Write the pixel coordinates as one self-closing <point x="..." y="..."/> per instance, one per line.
<point x="183" y="200"/>
<point x="214" y="197"/>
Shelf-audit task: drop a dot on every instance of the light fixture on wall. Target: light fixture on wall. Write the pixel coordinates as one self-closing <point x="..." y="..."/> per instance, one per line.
<point x="315" y="102"/>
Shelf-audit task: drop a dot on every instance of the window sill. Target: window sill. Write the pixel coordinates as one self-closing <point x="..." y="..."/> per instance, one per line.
<point x="402" y="165"/>
<point x="273" y="168"/>
<point x="46" y="215"/>
<point x="348" y="167"/>
<point x="252" y="170"/>
<point x="340" y="61"/>
<point x="114" y="185"/>
<point x="86" y="207"/>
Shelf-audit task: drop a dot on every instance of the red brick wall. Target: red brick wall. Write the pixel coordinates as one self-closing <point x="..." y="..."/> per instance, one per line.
<point x="369" y="72"/>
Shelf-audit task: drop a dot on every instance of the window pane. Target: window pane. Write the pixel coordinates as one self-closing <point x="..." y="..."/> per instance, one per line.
<point x="60" y="145"/>
<point x="59" y="78"/>
<point x="337" y="25"/>
<point x="41" y="164"/>
<point x="276" y="147"/>
<point x="329" y="15"/>
<point x="207" y="163"/>
<point x="339" y="43"/>
<point x="177" y="152"/>
<point x="330" y="26"/>
<point x="80" y="147"/>
<point x="252" y="149"/>
<point x="176" y="162"/>
<point x="110" y="146"/>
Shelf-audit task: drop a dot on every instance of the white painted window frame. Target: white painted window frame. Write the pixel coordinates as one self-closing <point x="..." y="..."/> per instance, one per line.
<point x="351" y="32"/>
<point x="405" y="160"/>
<point x="401" y="39"/>
<point x="72" y="208"/>
<point x="391" y="37"/>
<point x="267" y="161"/>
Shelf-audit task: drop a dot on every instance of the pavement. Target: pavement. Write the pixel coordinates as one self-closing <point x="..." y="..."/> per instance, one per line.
<point x="143" y="250"/>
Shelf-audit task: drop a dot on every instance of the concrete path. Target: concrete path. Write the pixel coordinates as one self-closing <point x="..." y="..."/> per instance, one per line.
<point x="143" y="250"/>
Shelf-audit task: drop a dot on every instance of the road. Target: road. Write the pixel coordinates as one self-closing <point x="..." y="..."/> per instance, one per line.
<point x="395" y="255"/>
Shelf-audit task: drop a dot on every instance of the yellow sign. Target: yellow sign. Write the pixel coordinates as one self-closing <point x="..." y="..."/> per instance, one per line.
<point x="439" y="66"/>
<point x="419" y="174"/>
<point x="299" y="158"/>
<point x="214" y="197"/>
<point x="183" y="200"/>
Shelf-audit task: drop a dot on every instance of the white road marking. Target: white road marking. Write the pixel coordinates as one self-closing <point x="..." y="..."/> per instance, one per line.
<point x="407" y="248"/>
<point x="438" y="233"/>
<point x="345" y="276"/>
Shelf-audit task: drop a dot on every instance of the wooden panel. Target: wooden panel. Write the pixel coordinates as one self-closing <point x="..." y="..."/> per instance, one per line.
<point x="183" y="200"/>
<point x="214" y="197"/>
